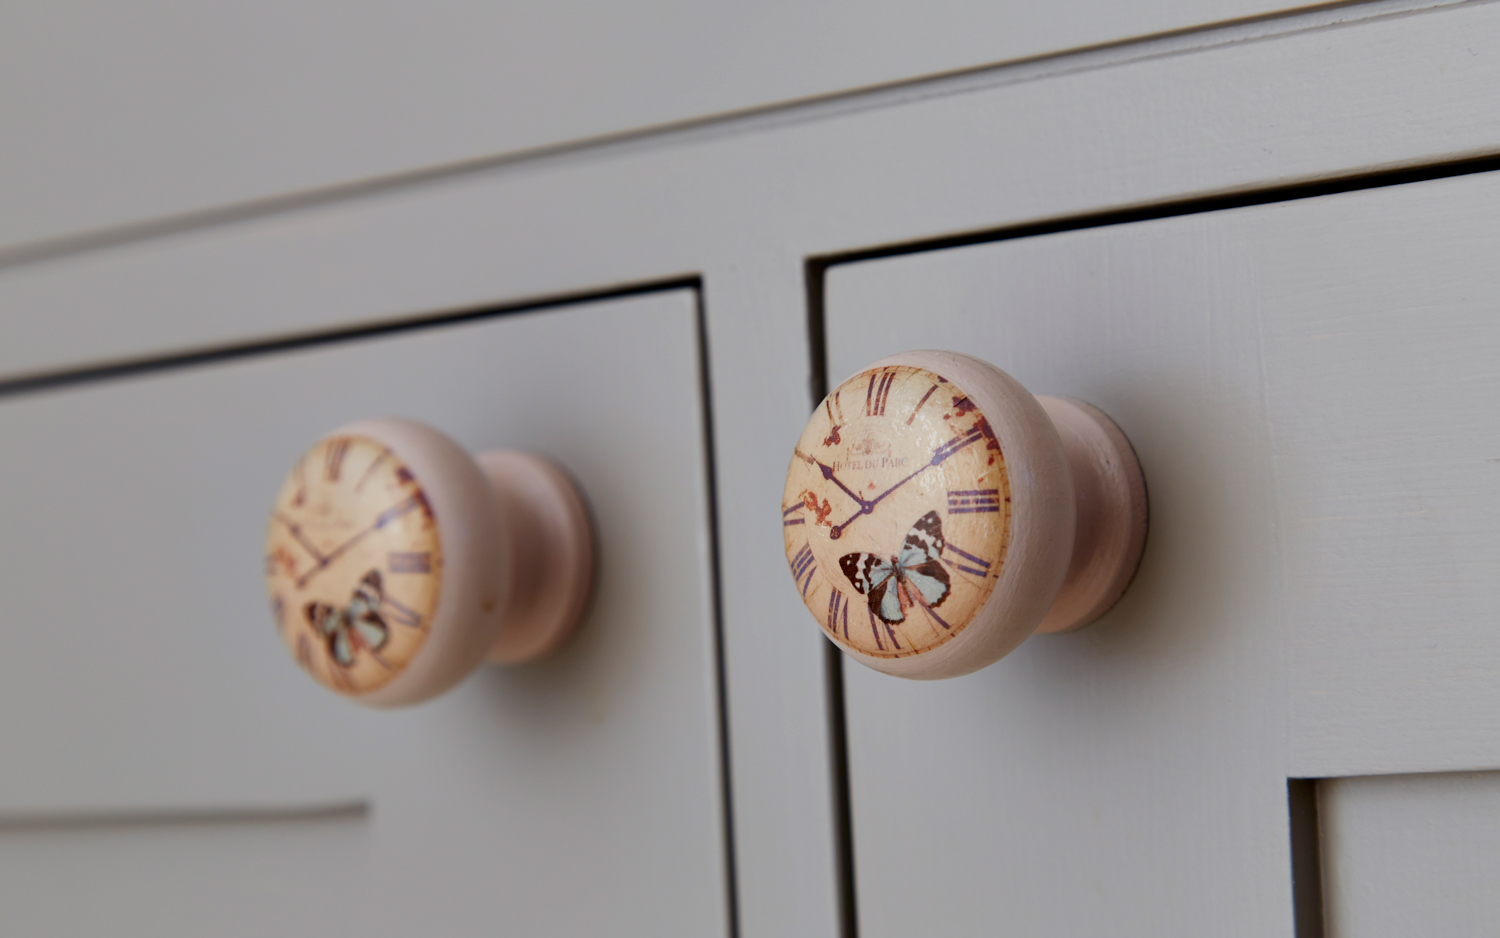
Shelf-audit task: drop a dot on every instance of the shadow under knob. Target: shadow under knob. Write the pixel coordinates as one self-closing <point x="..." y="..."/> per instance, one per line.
<point x="397" y="563"/>
<point x="936" y="514"/>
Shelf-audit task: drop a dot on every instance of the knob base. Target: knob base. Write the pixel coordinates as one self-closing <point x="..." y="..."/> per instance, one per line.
<point x="1112" y="514"/>
<point x="552" y="553"/>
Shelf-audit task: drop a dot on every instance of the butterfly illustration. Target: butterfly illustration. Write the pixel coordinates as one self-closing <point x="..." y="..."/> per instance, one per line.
<point x="357" y="625"/>
<point x="893" y="584"/>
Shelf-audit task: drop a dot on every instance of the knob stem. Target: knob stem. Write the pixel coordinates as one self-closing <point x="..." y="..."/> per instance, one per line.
<point x="551" y="553"/>
<point x="1110" y="535"/>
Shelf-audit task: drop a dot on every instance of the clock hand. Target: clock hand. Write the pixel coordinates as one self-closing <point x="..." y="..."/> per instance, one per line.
<point x="939" y="456"/>
<point x="383" y="519"/>
<point x="829" y="476"/>
<point x="295" y="530"/>
<point x="957" y="443"/>
<point x="865" y="507"/>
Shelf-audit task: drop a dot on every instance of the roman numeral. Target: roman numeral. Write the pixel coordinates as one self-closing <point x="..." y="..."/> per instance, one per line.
<point x="956" y="444"/>
<point x="399" y="509"/>
<point x="932" y="614"/>
<point x="333" y="458"/>
<point x="833" y="438"/>
<point x="786" y="519"/>
<point x="838" y="612"/>
<point x="399" y="614"/>
<point x="295" y="530"/>
<point x="973" y="501"/>
<point x="365" y="476"/>
<point x="299" y="475"/>
<point x="875" y="631"/>
<point x="914" y="410"/>
<point x="877" y="392"/>
<point x="304" y="653"/>
<point x="977" y="565"/>
<point x="803" y="569"/>
<point x="409" y="561"/>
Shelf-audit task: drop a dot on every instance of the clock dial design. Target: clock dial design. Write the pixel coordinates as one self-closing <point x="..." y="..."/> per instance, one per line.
<point x="353" y="563"/>
<point x="896" y="512"/>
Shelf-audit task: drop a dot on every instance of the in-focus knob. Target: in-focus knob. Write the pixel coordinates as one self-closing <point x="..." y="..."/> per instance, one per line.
<point x="397" y="562"/>
<point x="936" y="514"/>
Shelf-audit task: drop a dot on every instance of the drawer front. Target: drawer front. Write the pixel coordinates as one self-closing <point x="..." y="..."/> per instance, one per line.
<point x="161" y="744"/>
<point x="298" y="96"/>
<point x="1310" y="386"/>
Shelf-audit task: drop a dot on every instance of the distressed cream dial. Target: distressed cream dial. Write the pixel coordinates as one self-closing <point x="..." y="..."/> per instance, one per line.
<point x="897" y="512"/>
<point x="354" y="564"/>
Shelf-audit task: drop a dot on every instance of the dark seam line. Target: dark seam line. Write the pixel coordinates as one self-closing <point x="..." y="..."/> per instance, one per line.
<point x="833" y="659"/>
<point x="843" y="818"/>
<point x="1306" y="841"/>
<point x="45" y="381"/>
<point x="716" y="575"/>
<point x="1192" y="205"/>
<point x="101" y="820"/>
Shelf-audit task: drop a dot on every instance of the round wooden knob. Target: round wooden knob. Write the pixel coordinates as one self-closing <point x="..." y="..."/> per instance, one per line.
<point x="936" y="514"/>
<point x="397" y="562"/>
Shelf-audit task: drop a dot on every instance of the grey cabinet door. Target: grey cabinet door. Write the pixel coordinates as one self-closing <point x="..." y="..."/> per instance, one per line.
<point x="169" y="770"/>
<point x="1311" y="387"/>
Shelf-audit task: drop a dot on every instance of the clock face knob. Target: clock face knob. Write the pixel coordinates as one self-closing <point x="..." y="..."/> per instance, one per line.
<point x="397" y="563"/>
<point x="936" y="514"/>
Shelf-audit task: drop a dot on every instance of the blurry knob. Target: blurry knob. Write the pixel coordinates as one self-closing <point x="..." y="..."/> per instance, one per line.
<point x="397" y="562"/>
<point x="936" y="514"/>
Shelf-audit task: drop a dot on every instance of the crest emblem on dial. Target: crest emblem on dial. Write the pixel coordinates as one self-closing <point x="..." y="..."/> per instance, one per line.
<point x="354" y="564"/>
<point x="896" y="512"/>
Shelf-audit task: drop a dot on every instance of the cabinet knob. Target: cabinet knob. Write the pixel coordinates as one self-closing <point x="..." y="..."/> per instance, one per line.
<point x="397" y="562"/>
<point x="936" y="514"/>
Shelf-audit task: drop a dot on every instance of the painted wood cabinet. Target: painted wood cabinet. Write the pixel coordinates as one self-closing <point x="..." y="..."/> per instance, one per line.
<point x="170" y="767"/>
<point x="1264" y="247"/>
<point x="122" y="115"/>
<point x="1309" y="385"/>
<point x="1404" y="854"/>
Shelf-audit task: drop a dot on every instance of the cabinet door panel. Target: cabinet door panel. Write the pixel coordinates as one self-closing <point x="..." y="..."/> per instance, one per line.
<point x="141" y="677"/>
<point x="1411" y="855"/>
<point x="1309" y="387"/>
